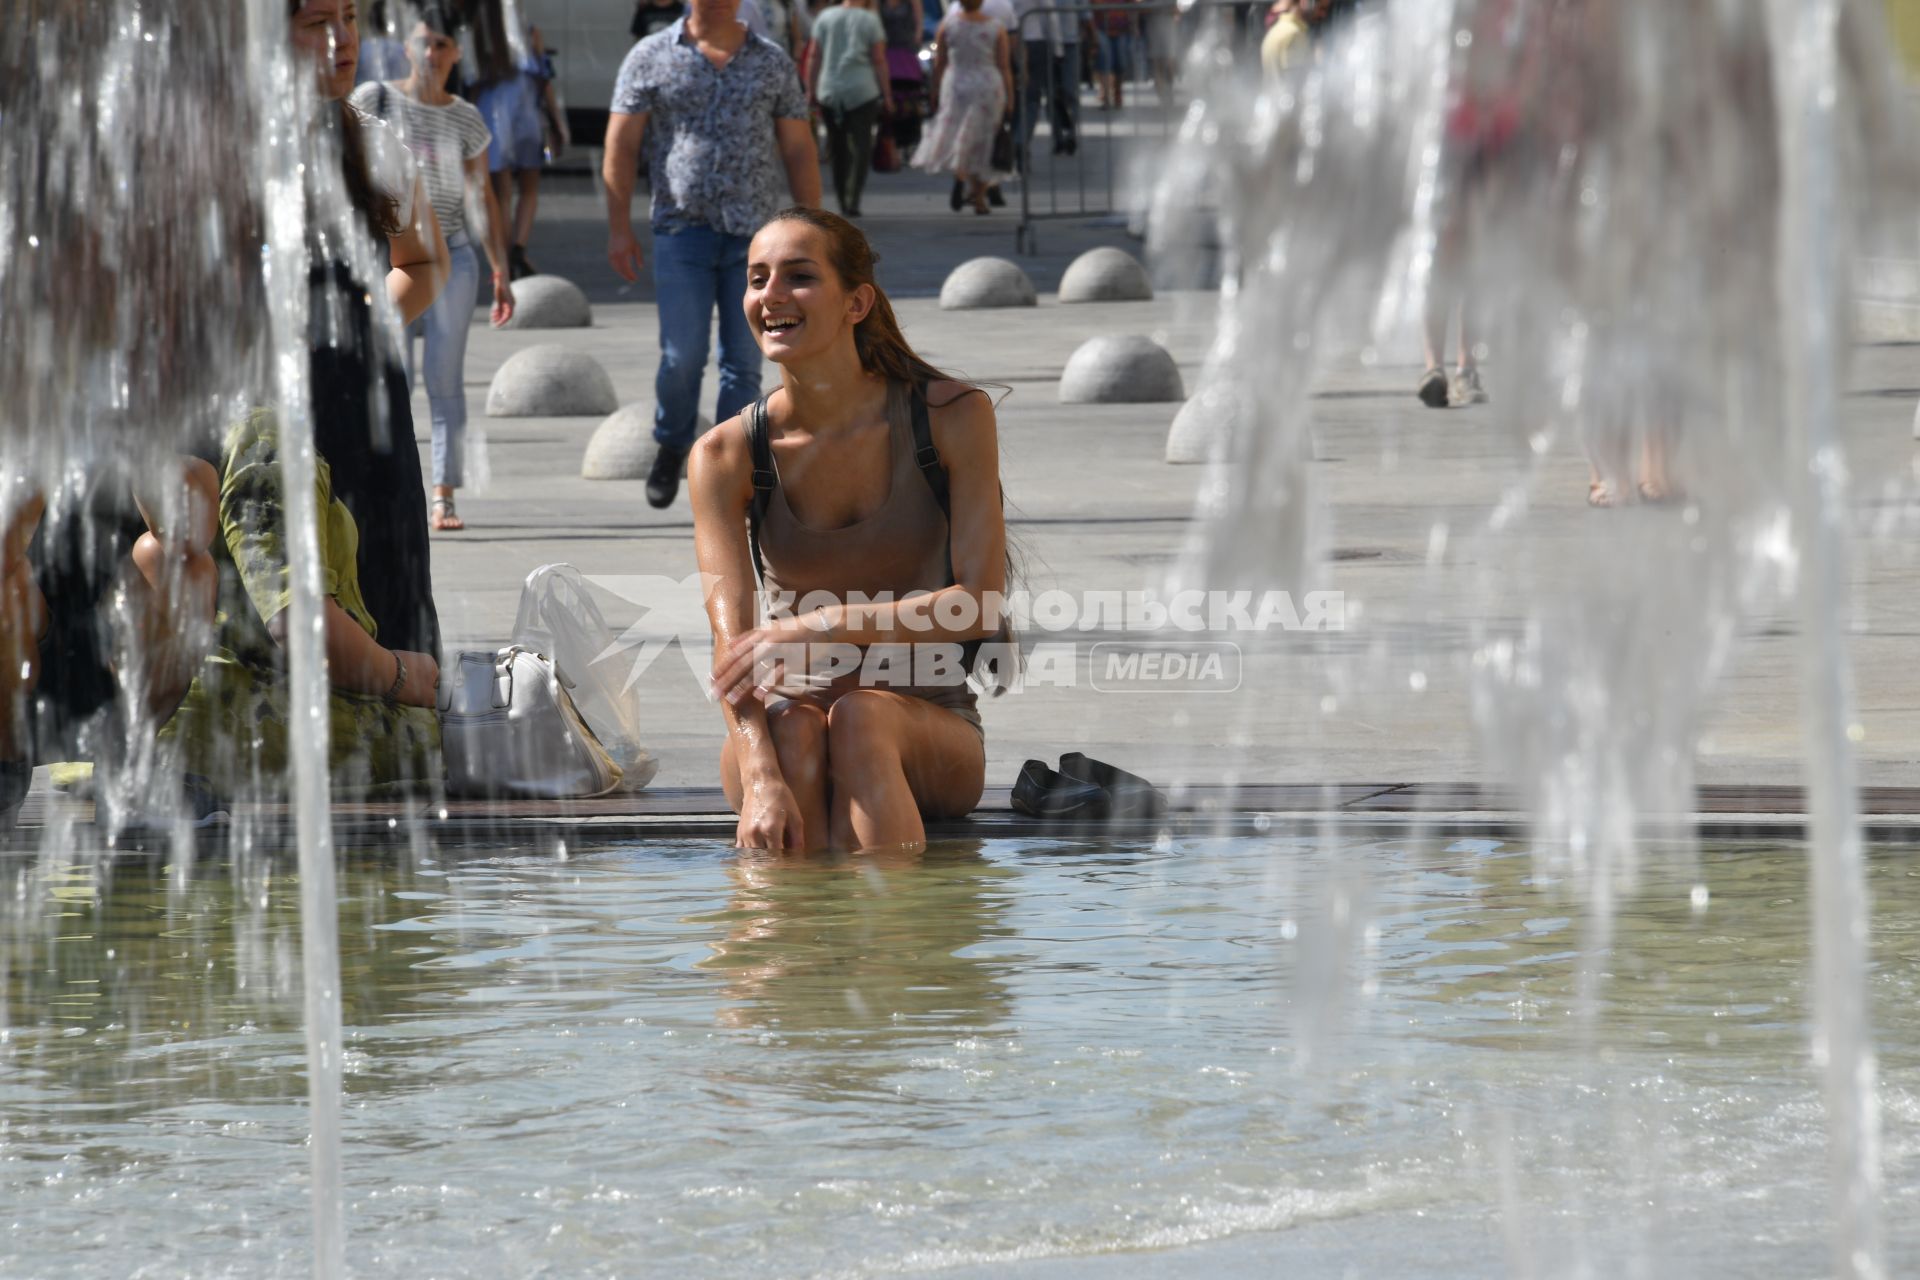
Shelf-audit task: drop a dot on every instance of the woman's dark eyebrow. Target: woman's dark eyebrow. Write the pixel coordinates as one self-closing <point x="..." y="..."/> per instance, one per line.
<point x="790" y="262"/>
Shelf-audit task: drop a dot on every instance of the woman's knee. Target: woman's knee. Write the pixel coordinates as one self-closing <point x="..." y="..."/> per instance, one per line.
<point x="797" y="728"/>
<point x="860" y="733"/>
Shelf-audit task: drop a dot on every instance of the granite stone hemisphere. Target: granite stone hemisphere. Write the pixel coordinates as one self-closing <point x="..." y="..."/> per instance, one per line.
<point x="984" y="283"/>
<point x="549" y="302"/>
<point x="1106" y="274"/>
<point x="622" y="447"/>
<point x="1121" y="369"/>
<point x="551" y="381"/>
<point x="1204" y="423"/>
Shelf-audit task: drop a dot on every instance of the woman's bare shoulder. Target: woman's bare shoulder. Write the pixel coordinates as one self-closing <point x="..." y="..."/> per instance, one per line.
<point x="962" y="417"/>
<point x="721" y="457"/>
<point x="945" y="394"/>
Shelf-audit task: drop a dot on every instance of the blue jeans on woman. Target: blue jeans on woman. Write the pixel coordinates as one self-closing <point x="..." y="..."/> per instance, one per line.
<point x="444" y="327"/>
<point x="694" y="269"/>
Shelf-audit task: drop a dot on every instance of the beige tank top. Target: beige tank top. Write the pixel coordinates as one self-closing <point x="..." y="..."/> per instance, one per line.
<point x="899" y="550"/>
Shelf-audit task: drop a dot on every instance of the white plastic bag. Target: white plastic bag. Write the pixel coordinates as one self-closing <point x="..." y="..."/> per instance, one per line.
<point x="559" y="618"/>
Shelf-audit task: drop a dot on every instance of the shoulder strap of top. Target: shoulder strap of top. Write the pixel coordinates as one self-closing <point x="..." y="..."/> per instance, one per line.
<point x="925" y="455"/>
<point x="765" y="478"/>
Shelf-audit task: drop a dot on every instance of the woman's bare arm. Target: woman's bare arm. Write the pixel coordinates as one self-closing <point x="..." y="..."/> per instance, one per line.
<point x="1001" y="51"/>
<point x="880" y="71"/>
<point x="419" y="257"/>
<point x="484" y="215"/>
<point x="357" y="663"/>
<point x="720" y="485"/>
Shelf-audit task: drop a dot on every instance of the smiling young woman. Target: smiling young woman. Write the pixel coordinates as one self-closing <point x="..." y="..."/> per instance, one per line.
<point x="857" y="738"/>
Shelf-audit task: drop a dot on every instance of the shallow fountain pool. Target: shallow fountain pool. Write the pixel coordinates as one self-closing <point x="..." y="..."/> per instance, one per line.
<point x="672" y="1059"/>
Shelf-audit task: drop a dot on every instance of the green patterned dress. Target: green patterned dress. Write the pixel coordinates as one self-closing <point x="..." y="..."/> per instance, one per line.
<point x="233" y="727"/>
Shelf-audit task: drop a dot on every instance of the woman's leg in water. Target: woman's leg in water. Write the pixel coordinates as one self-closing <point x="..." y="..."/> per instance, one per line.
<point x="892" y="758"/>
<point x="799" y="732"/>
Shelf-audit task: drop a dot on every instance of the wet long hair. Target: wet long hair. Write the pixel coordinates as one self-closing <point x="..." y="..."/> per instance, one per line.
<point x="878" y="339"/>
<point x="380" y="211"/>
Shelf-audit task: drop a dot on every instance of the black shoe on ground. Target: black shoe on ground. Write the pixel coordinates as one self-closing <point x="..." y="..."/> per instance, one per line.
<point x="663" y="482"/>
<point x="957" y="196"/>
<point x="995" y="199"/>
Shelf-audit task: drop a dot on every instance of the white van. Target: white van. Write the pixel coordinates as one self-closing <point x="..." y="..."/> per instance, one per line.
<point x="588" y="39"/>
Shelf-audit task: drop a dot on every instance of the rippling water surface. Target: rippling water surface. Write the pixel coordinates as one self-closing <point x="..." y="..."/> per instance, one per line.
<point x="1362" y="1057"/>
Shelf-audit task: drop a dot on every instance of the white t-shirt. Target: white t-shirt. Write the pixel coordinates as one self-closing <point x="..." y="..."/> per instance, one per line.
<point x="441" y="139"/>
<point x="1001" y="11"/>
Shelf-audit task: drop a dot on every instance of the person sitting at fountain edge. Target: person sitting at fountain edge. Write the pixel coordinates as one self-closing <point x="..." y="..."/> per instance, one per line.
<point x="822" y="482"/>
<point x="232" y="726"/>
<point x="105" y="614"/>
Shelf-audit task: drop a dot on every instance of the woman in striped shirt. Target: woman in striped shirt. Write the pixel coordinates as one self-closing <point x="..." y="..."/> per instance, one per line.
<point x="449" y="140"/>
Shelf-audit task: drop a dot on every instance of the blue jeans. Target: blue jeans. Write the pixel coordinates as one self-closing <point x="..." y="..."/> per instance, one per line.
<point x="693" y="269"/>
<point x="444" y="327"/>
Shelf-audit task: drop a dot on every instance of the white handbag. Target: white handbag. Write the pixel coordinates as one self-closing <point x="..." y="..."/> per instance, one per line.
<point x="559" y="618"/>
<point x="508" y="728"/>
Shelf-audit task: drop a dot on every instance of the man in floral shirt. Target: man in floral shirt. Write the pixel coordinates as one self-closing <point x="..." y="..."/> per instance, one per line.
<point x="728" y="118"/>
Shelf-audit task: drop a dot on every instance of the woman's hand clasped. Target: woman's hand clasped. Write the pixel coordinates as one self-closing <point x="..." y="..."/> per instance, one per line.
<point x="756" y="663"/>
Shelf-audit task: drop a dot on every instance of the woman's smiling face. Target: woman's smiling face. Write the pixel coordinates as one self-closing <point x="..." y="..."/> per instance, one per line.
<point x="795" y="302"/>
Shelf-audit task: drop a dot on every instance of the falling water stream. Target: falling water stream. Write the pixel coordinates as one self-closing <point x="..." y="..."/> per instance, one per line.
<point x="1632" y="184"/>
<point x="288" y="103"/>
<point x="1680" y="170"/>
<point x="1814" y="247"/>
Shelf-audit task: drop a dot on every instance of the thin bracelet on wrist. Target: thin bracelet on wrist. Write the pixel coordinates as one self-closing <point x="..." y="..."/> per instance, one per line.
<point x="399" y="678"/>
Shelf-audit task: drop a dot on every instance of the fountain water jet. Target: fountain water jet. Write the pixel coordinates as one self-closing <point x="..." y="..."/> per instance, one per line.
<point x="1625" y="191"/>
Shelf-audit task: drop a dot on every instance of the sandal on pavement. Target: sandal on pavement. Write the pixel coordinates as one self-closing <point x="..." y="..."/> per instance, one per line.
<point x="1039" y="792"/>
<point x="1128" y="794"/>
<point x="443" y="518"/>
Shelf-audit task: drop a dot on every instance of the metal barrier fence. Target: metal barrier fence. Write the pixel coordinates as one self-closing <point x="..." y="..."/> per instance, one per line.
<point x="1090" y="149"/>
